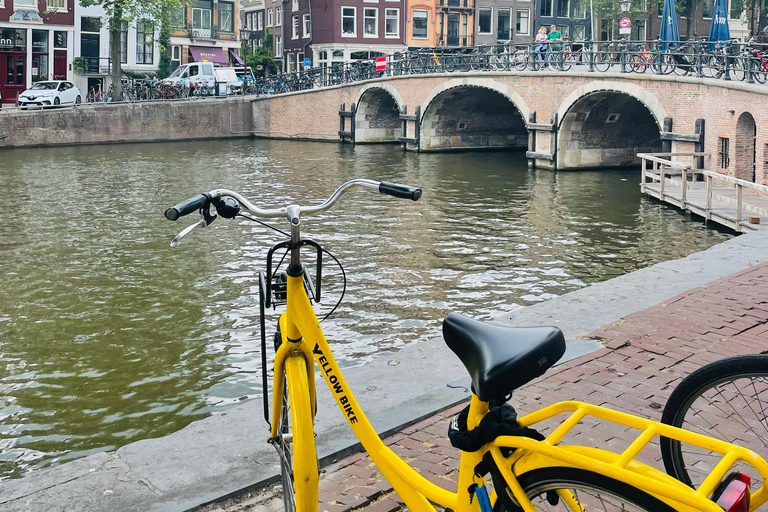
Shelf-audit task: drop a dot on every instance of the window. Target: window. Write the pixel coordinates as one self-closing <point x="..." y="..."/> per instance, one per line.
<point x="260" y="21"/>
<point x="723" y="157"/>
<point x="90" y="24"/>
<point x="278" y="16"/>
<point x="504" y="25"/>
<point x="278" y="46"/>
<point x="523" y="22"/>
<point x="546" y="8"/>
<point x="226" y="17"/>
<point x="579" y="9"/>
<point x="562" y="8"/>
<point x="60" y="40"/>
<point x="179" y="18"/>
<point x="57" y="5"/>
<point x="270" y="18"/>
<point x="124" y="42"/>
<point x="201" y="16"/>
<point x="420" y="20"/>
<point x="565" y="30"/>
<point x="370" y="22"/>
<point x="145" y="42"/>
<point x="299" y="61"/>
<point x="295" y="27"/>
<point x="348" y="25"/>
<point x="391" y="22"/>
<point x="306" y="24"/>
<point x="294" y="5"/>
<point x="580" y="32"/>
<point x="25" y="4"/>
<point x="708" y="7"/>
<point x="484" y="17"/>
<point x="737" y="7"/>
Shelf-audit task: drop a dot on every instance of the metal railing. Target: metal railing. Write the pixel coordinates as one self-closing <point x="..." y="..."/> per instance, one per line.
<point x="729" y="60"/>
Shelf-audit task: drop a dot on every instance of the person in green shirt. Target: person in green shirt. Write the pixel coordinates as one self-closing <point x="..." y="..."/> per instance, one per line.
<point x="553" y="38"/>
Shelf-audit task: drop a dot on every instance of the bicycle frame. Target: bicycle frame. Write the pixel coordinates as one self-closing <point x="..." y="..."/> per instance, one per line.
<point x="304" y="344"/>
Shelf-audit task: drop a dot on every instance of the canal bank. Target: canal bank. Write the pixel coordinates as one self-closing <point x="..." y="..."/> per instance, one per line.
<point x="227" y="453"/>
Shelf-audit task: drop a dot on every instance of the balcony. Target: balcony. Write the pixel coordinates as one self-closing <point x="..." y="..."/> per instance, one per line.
<point x="455" y="5"/>
<point x="202" y="34"/>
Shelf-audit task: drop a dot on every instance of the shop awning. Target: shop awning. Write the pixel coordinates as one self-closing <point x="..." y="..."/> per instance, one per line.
<point x="236" y="58"/>
<point x="211" y="54"/>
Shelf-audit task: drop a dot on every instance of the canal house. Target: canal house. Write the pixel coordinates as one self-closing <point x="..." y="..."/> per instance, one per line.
<point x="36" y="43"/>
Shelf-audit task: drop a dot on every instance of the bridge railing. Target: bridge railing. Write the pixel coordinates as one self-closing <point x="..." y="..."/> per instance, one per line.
<point x="674" y="178"/>
<point x="729" y="60"/>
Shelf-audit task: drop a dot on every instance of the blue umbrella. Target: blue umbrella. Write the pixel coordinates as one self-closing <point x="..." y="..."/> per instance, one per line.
<point x="669" y="31"/>
<point x="719" y="30"/>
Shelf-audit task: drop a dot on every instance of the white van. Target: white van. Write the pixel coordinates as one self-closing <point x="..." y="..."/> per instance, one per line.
<point x="194" y="73"/>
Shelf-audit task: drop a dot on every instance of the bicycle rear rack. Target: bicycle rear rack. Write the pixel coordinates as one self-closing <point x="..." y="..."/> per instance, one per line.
<point x="622" y="466"/>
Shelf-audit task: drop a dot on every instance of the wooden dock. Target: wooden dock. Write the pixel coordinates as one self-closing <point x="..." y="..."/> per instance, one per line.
<point x="737" y="204"/>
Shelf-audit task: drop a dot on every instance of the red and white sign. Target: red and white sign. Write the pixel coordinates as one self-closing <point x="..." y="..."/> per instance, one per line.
<point x="381" y="63"/>
<point x="625" y="23"/>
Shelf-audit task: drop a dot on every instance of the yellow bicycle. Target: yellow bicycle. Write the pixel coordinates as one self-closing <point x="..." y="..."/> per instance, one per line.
<point x="529" y="472"/>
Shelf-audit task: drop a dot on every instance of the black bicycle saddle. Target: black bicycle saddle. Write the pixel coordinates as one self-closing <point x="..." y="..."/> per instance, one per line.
<point x="501" y="359"/>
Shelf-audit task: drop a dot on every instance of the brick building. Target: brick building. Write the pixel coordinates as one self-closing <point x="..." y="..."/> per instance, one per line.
<point x="36" y="43"/>
<point x="571" y="17"/>
<point x="500" y="21"/>
<point x="297" y="34"/>
<point x="206" y="30"/>
<point x="252" y="23"/>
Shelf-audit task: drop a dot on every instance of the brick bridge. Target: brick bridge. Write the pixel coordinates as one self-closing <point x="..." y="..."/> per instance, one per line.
<point x="563" y="121"/>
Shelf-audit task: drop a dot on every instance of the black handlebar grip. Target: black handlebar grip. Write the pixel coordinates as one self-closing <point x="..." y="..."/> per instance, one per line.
<point x="398" y="190"/>
<point x="186" y="207"/>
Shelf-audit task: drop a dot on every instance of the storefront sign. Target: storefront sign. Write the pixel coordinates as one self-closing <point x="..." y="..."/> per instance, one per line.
<point x="14" y="40"/>
<point x="60" y="40"/>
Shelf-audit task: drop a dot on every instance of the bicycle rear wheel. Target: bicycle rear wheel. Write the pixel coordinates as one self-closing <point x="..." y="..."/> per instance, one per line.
<point x="727" y="399"/>
<point x="591" y="490"/>
<point x="602" y="62"/>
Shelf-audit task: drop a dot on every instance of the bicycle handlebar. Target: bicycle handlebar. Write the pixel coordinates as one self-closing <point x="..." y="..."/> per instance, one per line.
<point x="201" y="201"/>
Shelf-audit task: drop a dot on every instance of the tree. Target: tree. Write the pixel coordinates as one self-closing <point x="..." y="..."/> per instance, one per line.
<point x="118" y="11"/>
<point x="262" y="57"/>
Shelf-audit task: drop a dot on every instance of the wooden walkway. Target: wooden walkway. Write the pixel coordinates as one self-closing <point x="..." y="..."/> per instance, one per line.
<point x="737" y="204"/>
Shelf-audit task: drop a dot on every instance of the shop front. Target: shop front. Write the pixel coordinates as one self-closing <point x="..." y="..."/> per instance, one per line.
<point x="31" y="55"/>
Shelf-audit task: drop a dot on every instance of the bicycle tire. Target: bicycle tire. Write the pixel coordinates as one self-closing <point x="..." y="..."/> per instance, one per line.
<point x="521" y="61"/>
<point x="538" y="483"/>
<point x="567" y="61"/>
<point x="602" y="62"/>
<point x="739" y="68"/>
<point x="759" y="74"/>
<point x="708" y="386"/>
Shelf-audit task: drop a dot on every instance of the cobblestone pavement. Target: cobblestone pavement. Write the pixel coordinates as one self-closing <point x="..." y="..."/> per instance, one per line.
<point x="646" y="354"/>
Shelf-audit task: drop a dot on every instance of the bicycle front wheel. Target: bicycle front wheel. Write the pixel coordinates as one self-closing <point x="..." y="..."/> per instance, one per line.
<point x="727" y="399"/>
<point x="591" y="491"/>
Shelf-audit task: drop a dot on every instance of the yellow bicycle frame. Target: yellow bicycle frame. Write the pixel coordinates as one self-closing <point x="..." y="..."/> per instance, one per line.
<point x="304" y="343"/>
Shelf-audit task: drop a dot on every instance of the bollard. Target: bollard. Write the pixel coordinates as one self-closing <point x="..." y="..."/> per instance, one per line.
<point x="591" y="56"/>
<point x="699" y="73"/>
<point x="727" y="71"/>
<point x="750" y="67"/>
<point x="623" y="55"/>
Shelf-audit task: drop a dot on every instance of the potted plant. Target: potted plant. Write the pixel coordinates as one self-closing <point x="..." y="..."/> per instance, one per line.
<point x="79" y="64"/>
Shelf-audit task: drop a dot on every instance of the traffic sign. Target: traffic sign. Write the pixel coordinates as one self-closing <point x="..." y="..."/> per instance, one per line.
<point x="307" y="63"/>
<point x="625" y="23"/>
<point x="381" y="63"/>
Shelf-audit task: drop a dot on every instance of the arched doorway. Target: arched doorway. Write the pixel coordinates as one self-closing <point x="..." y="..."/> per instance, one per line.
<point x="744" y="154"/>
<point x="472" y="117"/>
<point x="604" y="129"/>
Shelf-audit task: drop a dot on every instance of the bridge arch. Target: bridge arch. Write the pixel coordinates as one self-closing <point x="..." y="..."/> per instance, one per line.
<point x="472" y="113"/>
<point x="607" y="124"/>
<point x="377" y="113"/>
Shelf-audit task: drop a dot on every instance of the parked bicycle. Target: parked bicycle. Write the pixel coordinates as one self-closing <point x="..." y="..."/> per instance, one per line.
<point x="529" y="471"/>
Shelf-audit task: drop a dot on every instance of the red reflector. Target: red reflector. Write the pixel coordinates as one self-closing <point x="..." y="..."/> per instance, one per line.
<point x="735" y="496"/>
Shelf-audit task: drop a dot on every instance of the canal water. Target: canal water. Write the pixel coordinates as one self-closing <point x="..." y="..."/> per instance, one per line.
<point x="108" y="336"/>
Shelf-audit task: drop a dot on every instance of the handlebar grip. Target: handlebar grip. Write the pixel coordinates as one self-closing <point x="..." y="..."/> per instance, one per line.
<point x="398" y="190"/>
<point x="186" y="207"/>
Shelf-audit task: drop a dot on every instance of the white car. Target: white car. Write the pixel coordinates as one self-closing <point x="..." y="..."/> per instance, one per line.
<point x="49" y="93"/>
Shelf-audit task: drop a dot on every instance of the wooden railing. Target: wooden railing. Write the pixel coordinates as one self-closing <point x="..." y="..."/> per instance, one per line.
<point x="676" y="179"/>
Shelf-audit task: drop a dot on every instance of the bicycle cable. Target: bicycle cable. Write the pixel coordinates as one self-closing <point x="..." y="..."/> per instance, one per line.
<point x="341" y="267"/>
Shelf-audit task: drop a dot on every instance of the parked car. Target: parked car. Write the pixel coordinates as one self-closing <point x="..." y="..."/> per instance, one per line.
<point x="50" y="93"/>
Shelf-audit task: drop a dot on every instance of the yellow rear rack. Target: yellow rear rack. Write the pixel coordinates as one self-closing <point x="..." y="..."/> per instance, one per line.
<point x="622" y="466"/>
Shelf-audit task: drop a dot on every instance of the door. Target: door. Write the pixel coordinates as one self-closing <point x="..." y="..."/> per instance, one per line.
<point x="60" y="65"/>
<point x="12" y="76"/>
<point x="89" y="49"/>
<point x="453" y="30"/>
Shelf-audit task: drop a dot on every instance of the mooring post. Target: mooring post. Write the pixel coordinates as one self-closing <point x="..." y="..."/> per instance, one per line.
<point x="531" y="138"/>
<point x="666" y="145"/>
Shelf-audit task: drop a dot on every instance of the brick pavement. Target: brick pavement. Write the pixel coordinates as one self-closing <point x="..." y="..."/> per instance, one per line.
<point x="646" y="354"/>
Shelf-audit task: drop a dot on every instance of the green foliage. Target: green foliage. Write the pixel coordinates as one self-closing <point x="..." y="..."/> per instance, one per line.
<point x="164" y="68"/>
<point x="610" y="10"/>
<point x="261" y="57"/>
<point x="79" y="64"/>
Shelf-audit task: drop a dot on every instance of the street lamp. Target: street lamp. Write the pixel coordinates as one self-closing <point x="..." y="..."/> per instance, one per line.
<point x="625" y="5"/>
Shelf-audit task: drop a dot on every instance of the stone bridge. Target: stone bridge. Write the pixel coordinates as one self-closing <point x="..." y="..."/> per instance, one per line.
<point x="562" y="121"/>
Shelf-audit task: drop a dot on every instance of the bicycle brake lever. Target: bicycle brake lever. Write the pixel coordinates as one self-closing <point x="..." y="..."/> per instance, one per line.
<point x="199" y="224"/>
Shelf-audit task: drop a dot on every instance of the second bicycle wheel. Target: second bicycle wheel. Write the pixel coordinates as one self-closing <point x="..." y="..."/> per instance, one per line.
<point x="592" y="492"/>
<point x="727" y="399"/>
